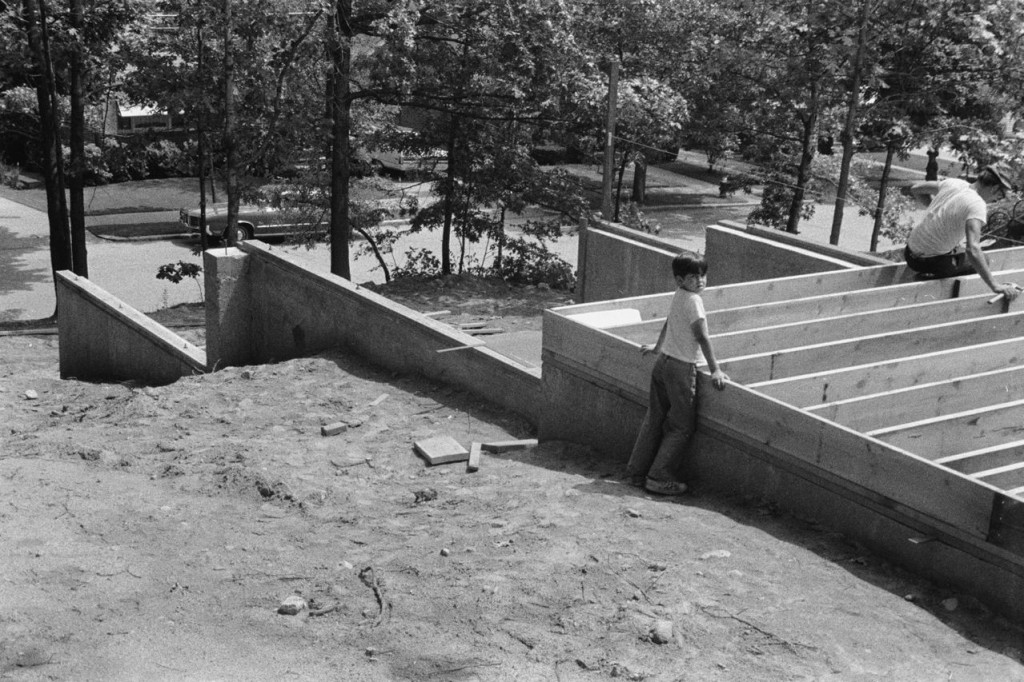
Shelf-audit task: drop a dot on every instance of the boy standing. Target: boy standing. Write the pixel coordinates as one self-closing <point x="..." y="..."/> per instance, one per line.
<point x="671" y="418"/>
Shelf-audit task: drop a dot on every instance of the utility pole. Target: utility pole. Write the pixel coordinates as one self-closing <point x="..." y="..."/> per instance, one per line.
<point x="607" y="205"/>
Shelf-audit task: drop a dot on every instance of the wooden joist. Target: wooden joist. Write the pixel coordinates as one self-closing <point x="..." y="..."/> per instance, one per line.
<point x="925" y="401"/>
<point x="849" y="383"/>
<point x="993" y="456"/>
<point x="871" y="348"/>
<point x="800" y="286"/>
<point x="888" y="471"/>
<point x="1006" y="477"/>
<point x="960" y="432"/>
<point x="827" y="305"/>
<point x="827" y="329"/>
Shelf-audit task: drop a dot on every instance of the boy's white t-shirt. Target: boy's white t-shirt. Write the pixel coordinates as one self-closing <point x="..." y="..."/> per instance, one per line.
<point x="942" y="228"/>
<point x="680" y="341"/>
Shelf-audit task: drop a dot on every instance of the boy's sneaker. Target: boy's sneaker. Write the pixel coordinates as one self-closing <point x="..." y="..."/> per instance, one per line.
<point x="664" y="487"/>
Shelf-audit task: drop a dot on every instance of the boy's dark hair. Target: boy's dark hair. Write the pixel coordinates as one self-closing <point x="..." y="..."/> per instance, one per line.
<point x="689" y="264"/>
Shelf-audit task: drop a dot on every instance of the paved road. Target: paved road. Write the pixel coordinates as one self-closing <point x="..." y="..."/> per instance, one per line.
<point x="125" y="269"/>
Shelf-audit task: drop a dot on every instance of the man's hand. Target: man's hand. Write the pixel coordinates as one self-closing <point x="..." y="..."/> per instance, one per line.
<point x="647" y="348"/>
<point x="718" y="379"/>
<point x="1008" y="290"/>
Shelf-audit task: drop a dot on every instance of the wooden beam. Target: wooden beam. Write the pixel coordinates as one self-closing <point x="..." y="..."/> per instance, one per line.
<point x="925" y="400"/>
<point x="596" y="352"/>
<point x="798" y="286"/>
<point x="807" y="321"/>
<point x="887" y="375"/>
<point x="827" y="329"/>
<point x="828" y="305"/>
<point x="888" y="471"/>
<point x="960" y="432"/>
<point x="973" y="461"/>
<point x="1006" y="477"/>
<point x="862" y="350"/>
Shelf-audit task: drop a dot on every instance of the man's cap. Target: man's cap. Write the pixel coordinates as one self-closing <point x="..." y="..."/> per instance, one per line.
<point x="1002" y="173"/>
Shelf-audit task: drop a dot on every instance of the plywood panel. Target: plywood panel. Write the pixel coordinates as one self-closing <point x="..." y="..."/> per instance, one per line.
<point x="925" y="401"/>
<point x="863" y="350"/>
<point x="961" y="432"/>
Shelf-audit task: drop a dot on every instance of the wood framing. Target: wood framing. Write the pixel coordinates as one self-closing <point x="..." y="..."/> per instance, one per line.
<point x="865" y="389"/>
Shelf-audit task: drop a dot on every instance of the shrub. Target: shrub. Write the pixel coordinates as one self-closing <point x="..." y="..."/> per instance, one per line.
<point x="124" y="160"/>
<point x="528" y="262"/>
<point x="164" y="159"/>
<point x="96" y="171"/>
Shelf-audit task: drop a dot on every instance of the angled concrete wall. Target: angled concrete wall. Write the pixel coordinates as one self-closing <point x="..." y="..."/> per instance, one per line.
<point x="617" y="262"/>
<point x="104" y="339"/>
<point x="264" y="307"/>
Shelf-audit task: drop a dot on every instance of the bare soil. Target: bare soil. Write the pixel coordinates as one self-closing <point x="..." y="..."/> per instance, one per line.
<point x="153" y="533"/>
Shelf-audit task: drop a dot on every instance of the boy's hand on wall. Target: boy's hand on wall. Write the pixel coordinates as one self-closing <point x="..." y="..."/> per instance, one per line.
<point x="718" y="379"/>
<point x="647" y="348"/>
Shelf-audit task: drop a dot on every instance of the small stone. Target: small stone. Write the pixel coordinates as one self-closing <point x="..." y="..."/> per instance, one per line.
<point x="950" y="604"/>
<point x="247" y="374"/>
<point x="661" y="632"/>
<point x="445" y="551"/>
<point x="633" y="513"/>
<point x="292" y="605"/>
<point x="716" y="554"/>
<point x="31" y="395"/>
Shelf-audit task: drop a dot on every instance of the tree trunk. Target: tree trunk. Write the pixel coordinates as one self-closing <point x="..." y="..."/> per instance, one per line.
<point x="49" y="128"/>
<point x="340" y="105"/>
<point x="230" y="142"/>
<point x="803" y="170"/>
<point x="639" y="179"/>
<point x="848" y="128"/>
<point x="204" y="239"/>
<point x="890" y="151"/>
<point x="76" y="179"/>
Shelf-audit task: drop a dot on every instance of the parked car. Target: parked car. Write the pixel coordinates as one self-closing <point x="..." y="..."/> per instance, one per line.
<point x="405" y="163"/>
<point x="258" y="220"/>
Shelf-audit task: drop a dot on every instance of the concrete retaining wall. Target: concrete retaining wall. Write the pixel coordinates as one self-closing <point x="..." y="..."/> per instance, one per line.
<point x="618" y="262"/>
<point x="264" y="307"/>
<point x="736" y="255"/>
<point x="103" y="339"/>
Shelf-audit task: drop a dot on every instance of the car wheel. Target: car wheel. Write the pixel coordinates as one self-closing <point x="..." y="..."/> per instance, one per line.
<point x="245" y="232"/>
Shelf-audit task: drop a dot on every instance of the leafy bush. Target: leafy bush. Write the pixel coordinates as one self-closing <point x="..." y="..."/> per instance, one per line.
<point x="124" y="160"/>
<point x="177" y="272"/>
<point x="634" y="218"/>
<point x="419" y="263"/>
<point x="96" y="171"/>
<point x="529" y="262"/>
<point x="164" y="159"/>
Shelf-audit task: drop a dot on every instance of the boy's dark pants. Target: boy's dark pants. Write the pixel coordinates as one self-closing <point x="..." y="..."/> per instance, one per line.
<point x="670" y="422"/>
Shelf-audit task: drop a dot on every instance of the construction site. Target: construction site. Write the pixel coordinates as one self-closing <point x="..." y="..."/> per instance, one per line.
<point x="880" y="407"/>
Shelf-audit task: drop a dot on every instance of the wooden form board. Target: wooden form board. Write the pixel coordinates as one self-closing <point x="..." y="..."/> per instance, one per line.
<point x="897" y="475"/>
<point x="827" y="305"/>
<point x="848" y="383"/>
<point x="598" y="354"/>
<point x="828" y="329"/>
<point x="983" y="459"/>
<point x="959" y="432"/>
<point x="914" y="403"/>
<point x="870" y="348"/>
<point x="808" y="320"/>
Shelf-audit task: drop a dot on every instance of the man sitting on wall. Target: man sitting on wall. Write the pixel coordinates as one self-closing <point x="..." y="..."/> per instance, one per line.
<point x="947" y="241"/>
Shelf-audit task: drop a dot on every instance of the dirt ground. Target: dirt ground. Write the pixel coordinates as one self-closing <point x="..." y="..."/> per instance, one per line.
<point x="154" y="533"/>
